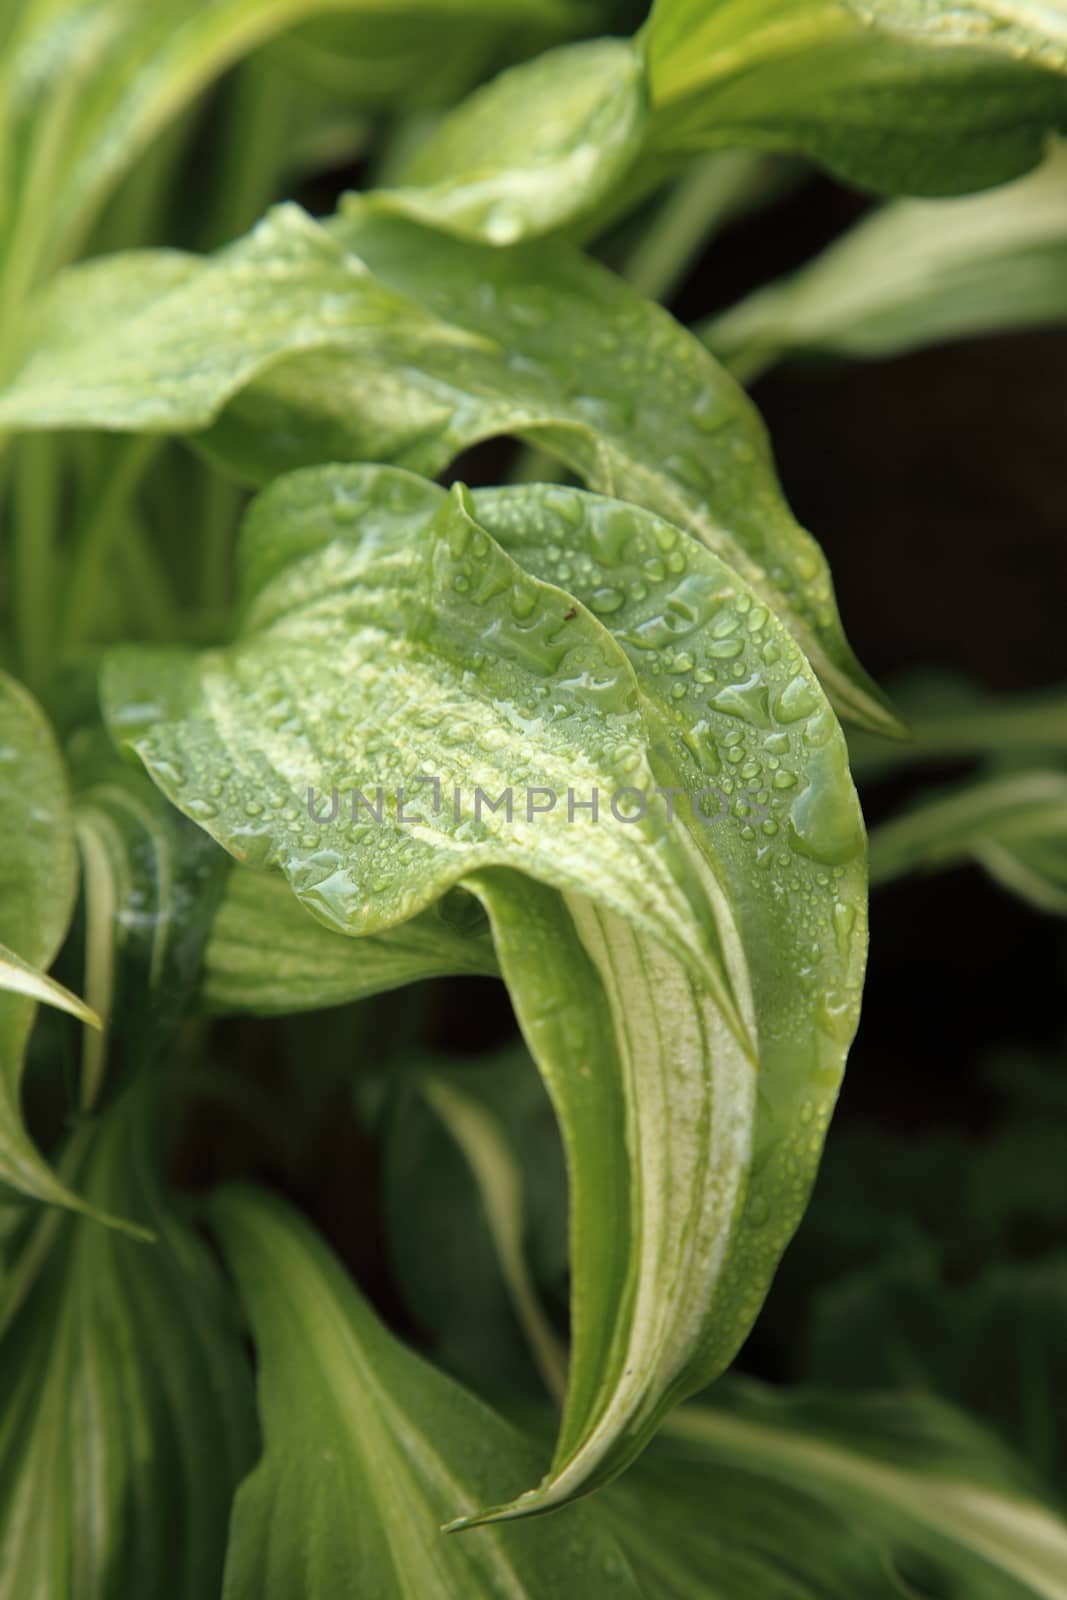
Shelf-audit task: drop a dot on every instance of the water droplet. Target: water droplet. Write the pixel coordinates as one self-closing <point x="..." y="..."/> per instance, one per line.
<point x="565" y="504"/>
<point x="713" y="410"/>
<point x="611" y="532"/>
<point x="796" y="700"/>
<point x="606" y="600"/>
<point x="844" y="917"/>
<point x="748" y="699"/>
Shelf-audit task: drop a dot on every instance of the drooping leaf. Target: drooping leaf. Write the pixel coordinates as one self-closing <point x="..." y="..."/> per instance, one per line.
<point x="904" y="96"/>
<point x="915" y="272"/>
<point x="268" y="955"/>
<point x="1015" y="827"/>
<point x="367" y="591"/>
<point x="542" y="143"/>
<point x="734" y="717"/>
<point x="822" y="1497"/>
<point x="365" y="342"/>
<point x="128" y="1412"/>
<point x="370" y="1449"/>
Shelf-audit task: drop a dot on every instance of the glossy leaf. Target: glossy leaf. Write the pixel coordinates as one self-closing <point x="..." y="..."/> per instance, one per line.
<point x="915" y="272"/>
<point x="288" y="286"/>
<point x="541" y="144"/>
<point x="736" y="717"/>
<point x="364" y="341"/>
<point x="128" y="1412"/>
<point x="904" y="96"/>
<point x="1015" y="827"/>
<point x="350" y="621"/>
<point x="370" y="1449"/>
<point x="820" y="1497"/>
<point x="367" y="590"/>
<point x="268" y="955"/>
<point x="38" y="879"/>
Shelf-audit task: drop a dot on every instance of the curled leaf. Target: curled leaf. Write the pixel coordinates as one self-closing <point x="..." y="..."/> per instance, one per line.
<point x="686" y="973"/>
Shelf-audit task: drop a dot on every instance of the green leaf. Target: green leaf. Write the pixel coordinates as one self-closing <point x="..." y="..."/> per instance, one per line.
<point x="385" y="637"/>
<point x="996" y="1345"/>
<point x="288" y="286"/>
<point x="915" y="272"/>
<point x="152" y="882"/>
<point x="268" y="955"/>
<point x="951" y="719"/>
<point x="1015" y="827"/>
<point x="540" y="145"/>
<point x="905" y="96"/>
<point x="819" y="1497"/>
<point x="446" y="1217"/>
<point x="128" y="1413"/>
<point x="485" y="1145"/>
<point x="93" y="81"/>
<point x="369" y="1449"/>
<point x="734" y="718"/>
<point x="19" y="977"/>
<point x="38" y="880"/>
<point x="364" y="341"/>
<point x="348" y="622"/>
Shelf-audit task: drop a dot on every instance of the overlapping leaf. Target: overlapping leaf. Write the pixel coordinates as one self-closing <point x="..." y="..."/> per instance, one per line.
<point x="916" y="272"/>
<point x="370" y="1450"/>
<point x="387" y="637"/>
<point x="152" y="883"/>
<point x="475" y="1197"/>
<point x="820" y="1497"/>
<point x="907" y="96"/>
<point x="128" y="1412"/>
<point x="364" y="340"/>
<point x="544" y="142"/>
<point x="268" y="955"/>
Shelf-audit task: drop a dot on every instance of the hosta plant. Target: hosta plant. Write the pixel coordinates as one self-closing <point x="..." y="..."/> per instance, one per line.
<point x="402" y="611"/>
